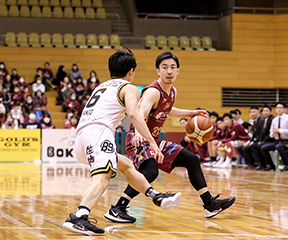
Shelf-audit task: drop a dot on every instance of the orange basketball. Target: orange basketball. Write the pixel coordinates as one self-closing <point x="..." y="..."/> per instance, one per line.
<point x="199" y="129"/>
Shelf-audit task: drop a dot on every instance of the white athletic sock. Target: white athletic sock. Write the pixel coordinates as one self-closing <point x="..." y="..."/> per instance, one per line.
<point x="81" y="211"/>
<point x="151" y="192"/>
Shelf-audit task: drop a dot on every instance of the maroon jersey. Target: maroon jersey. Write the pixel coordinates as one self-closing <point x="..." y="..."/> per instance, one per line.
<point x="235" y="132"/>
<point x="157" y="117"/>
<point x="218" y="134"/>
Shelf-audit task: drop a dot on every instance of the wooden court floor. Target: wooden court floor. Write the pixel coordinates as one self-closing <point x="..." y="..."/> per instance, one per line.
<point x="36" y="200"/>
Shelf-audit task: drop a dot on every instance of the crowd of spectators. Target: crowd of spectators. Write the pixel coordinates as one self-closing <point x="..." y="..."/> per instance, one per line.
<point x="252" y="140"/>
<point x="23" y="103"/>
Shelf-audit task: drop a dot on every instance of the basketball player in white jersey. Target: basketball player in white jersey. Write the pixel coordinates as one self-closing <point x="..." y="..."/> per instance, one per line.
<point x="95" y="145"/>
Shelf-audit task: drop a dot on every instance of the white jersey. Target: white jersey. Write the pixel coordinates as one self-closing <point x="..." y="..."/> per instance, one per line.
<point x="104" y="105"/>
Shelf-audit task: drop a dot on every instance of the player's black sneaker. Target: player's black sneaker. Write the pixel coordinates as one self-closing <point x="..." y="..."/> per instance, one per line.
<point x="217" y="206"/>
<point x="119" y="214"/>
<point x="167" y="200"/>
<point x="82" y="225"/>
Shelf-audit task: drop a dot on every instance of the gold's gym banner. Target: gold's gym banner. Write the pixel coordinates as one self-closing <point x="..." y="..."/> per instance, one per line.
<point x="20" y="145"/>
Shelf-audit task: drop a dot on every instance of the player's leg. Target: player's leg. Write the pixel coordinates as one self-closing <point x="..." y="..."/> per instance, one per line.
<point x="212" y="206"/>
<point x="138" y="181"/>
<point x="265" y="152"/>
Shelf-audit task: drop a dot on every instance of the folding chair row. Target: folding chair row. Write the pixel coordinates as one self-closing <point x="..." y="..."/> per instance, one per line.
<point x="68" y="40"/>
<point x="184" y="43"/>
<point x="56" y="13"/>
<point x="54" y="3"/>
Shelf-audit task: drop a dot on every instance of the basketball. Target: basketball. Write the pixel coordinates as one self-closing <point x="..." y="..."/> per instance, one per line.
<point x="199" y="129"/>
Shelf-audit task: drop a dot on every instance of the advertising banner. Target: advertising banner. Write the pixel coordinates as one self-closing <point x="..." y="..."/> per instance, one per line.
<point x="58" y="145"/>
<point x="20" y="145"/>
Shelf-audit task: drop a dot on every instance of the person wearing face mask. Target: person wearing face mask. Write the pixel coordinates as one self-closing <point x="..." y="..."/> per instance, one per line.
<point x="22" y="84"/>
<point x="92" y="84"/>
<point x="72" y="104"/>
<point x="38" y="99"/>
<point x="93" y="78"/>
<point x="28" y="106"/>
<point x="79" y="87"/>
<point x="17" y="95"/>
<point x="67" y="93"/>
<point x="3" y="71"/>
<point x="38" y="86"/>
<point x="46" y="122"/>
<point x="32" y="123"/>
<point x="9" y="123"/>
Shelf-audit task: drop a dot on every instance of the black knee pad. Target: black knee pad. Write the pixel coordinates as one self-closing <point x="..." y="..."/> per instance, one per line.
<point x="149" y="169"/>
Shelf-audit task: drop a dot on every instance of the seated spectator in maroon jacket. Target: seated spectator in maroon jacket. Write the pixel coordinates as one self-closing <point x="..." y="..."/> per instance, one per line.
<point x="46" y="122"/>
<point x="48" y="74"/>
<point x="3" y="72"/>
<point x="38" y="99"/>
<point x="7" y="83"/>
<point x="17" y="96"/>
<point x="22" y="84"/>
<point x="235" y="136"/>
<point x="28" y="106"/>
<point x="32" y="123"/>
<point x="6" y="98"/>
<point x="14" y="76"/>
<point x="73" y="123"/>
<point x="79" y="87"/>
<point x="72" y="105"/>
<point x="93" y="78"/>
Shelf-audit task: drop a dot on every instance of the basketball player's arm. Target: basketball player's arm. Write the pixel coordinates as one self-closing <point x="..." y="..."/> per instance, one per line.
<point x="178" y="113"/>
<point x="131" y="96"/>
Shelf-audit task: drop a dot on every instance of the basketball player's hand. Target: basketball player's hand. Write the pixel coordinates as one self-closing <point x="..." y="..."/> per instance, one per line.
<point x="157" y="153"/>
<point x="137" y="139"/>
<point x="199" y="112"/>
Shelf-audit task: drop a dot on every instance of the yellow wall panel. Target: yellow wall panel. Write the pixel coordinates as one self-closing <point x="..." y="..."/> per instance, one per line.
<point x="253" y="40"/>
<point x="254" y="25"/>
<point x="253" y="48"/>
<point x="252" y="17"/>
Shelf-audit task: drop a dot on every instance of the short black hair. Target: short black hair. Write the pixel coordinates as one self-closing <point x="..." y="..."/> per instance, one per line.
<point x="227" y="115"/>
<point x="267" y="106"/>
<point x="38" y="69"/>
<point x="183" y="119"/>
<point x="246" y="125"/>
<point x="214" y="114"/>
<point x="237" y="110"/>
<point x="282" y="103"/>
<point x="233" y="112"/>
<point x="121" y="62"/>
<point x="219" y="119"/>
<point x="254" y="107"/>
<point x="47" y="63"/>
<point x="166" y="55"/>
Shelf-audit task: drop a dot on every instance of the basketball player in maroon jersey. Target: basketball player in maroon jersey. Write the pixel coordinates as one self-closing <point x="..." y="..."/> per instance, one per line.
<point x="155" y="105"/>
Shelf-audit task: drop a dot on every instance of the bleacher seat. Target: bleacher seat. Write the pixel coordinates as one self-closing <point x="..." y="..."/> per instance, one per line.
<point x="97" y="3"/>
<point x="101" y="13"/>
<point x="22" y="3"/>
<point x="150" y="42"/>
<point x="2" y="2"/>
<point x="22" y="40"/>
<point x="57" y="40"/>
<point x="80" y="40"/>
<point x="173" y="43"/>
<point x="10" y="39"/>
<point x="33" y="3"/>
<point x="86" y="3"/>
<point x="90" y="13"/>
<point x="46" y="12"/>
<point x="103" y="41"/>
<point x="43" y="3"/>
<point x="79" y="12"/>
<point x="45" y="40"/>
<point x="57" y="12"/>
<point x="68" y="12"/>
<point x="24" y="11"/>
<point x="92" y="41"/>
<point x="184" y="43"/>
<point x="54" y="3"/>
<point x="11" y="2"/>
<point x="13" y="11"/>
<point x="34" y="40"/>
<point x="115" y="41"/>
<point x="35" y="11"/>
<point x="65" y="3"/>
<point x="162" y="42"/>
<point x="207" y="43"/>
<point x="196" y="44"/>
<point x="69" y="40"/>
<point x="76" y="3"/>
<point x="3" y="11"/>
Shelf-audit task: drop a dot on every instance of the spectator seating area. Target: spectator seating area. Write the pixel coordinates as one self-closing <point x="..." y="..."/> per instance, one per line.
<point x="59" y="41"/>
<point x="54" y="9"/>
<point x="183" y="43"/>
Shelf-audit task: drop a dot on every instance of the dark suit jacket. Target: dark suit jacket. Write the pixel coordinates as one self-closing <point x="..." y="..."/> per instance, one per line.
<point x="257" y="131"/>
<point x="265" y="136"/>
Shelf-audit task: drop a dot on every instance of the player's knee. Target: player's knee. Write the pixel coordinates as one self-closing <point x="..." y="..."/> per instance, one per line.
<point x="149" y="169"/>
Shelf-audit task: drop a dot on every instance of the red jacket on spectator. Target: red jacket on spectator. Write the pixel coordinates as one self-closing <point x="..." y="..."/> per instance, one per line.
<point x="38" y="100"/>
<point x="71" y="104"/>
<point x="218" y="134"/>
<point x="79" y="88"/>
<point x="17" y="96"/>
<point x="22" y="86"/>
<point x="235" y="132"/>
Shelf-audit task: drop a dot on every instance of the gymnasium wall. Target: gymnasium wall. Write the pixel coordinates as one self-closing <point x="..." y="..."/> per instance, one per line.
<point x="258" y="60"/>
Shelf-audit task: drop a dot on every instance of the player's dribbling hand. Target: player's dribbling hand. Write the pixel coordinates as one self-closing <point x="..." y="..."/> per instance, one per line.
<point x="200" y="112"/>
<point x="137" y="139"/>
